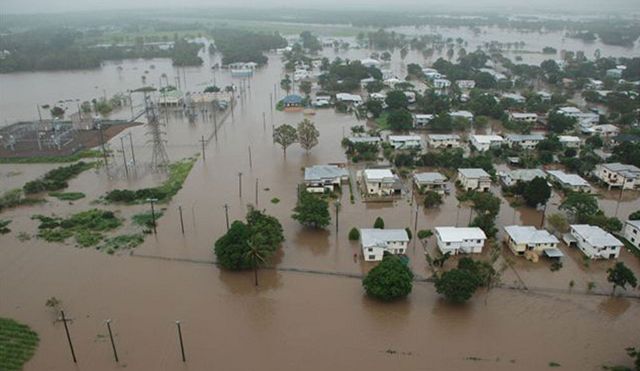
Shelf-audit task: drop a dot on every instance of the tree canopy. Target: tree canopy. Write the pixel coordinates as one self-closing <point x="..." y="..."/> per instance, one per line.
<point x="307" y="134"/>
<point x="285" y="135"/>
<point x="621" y="276"/>
<point x="311" y="210"/>
<point x="390" y="280"/>
<point x="536" y="192"/>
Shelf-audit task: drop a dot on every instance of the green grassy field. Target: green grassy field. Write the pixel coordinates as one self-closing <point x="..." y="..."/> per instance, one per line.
<point x="18" y="343"/>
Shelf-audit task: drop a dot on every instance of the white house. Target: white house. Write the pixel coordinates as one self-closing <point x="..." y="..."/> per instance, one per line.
<point x="381" y="182"/>
<point x="375" y="242"/>
<point x="321" y="178"/>
<point x="594" y="84"/>
<point x="474" y="179"/>
<point x="454" y="240"/>
<point x="421" y="120"/>
<point x="615" y="73"/>
<point x="511" y="178"/>
<point x="523" y="117"/>
<point x="354" y="140"/>
<point x="485" y="142"/>
<point x="616" y="174"/>
<point x="514" y="97"/>
<point x="430" y="181"/>
<point x="593" y="241"/>
<point x="525" y="141"/>
<point x="370" y="62"/>
<point x="461" y="114"/>
<point x="441" y="83"/>
<point x="466" y="84"/>
<point x="380" y="97"/>
<point x="521" y="239"/>
<point x="584" y="118"/>
<point x="632" y="232"/>
<point x="300" y="75"/>
<point x="544" y="96"/>
<point x="411" y="96"/>
<point x="606" y="130"/>
<point x="349" y="98"/>
<point x="569" y="141"/>
<point x="573" y="182"/>
<point x="443" y="140"/>
<point x="405" y="141"/>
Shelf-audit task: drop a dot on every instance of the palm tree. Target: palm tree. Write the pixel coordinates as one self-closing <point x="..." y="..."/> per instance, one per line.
<point x="257" y="255"/>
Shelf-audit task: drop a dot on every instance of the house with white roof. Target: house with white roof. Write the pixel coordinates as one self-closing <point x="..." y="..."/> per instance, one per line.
<point x="370" y="62"/>
<point x="514" y="97"/>
<point x="349" y="98"/>
<point x="454" y="240"/>
<point x="594" y="84"/>
<point x="593" y="241"/>
<point x="615" y="73"/>
<point x="461" y="114"/>
<point x="544" y="96"/>
<point x="443" y="140"/>
<point x="584" y="118"/>
<point x="466" y="84"/>
<point x="569" y="141"/>
<point x="364" y="139"/>
<point x="441" y="83"/>
<point x="573" y="182"/>
<point x="380" y="97"/>
<point x="631" y="232"/>
<point x="511" y="178"/>
<point x="405" y="141"/>
<point x="616" y="174"/>
<point x="430" y="181"/>
<point x="421" y="120"/>
<point x="381" y="182"/>
<point x="411" y="96"/>
<point x="375" y="242"/>
<point x="321" y="178"/>
<point x="606" y="130"/>
<point x="485" y="142"/>
<point x="524" y="141"/>
<point x="523" y="117"/>
<point x="522" y="239"/>
<point x="474" y="179"/>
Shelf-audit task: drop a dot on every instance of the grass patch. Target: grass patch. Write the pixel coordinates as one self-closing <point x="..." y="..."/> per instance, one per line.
<point x="52" y="159"/>
<point x="18" y="343"/>
<point x="145" y="219"/>
<point x="4" y="229"/>
<point x="122" y="242"/>
<point x="178" y="173"/>
<point x="554" y="364"/>
<point x="85" y="226"/>
<point x="23" y="236"/>
<point x="275" y="200"/>
<point x="15" y="197"/>
<point x="382" y="121"/>
<point x="67" y="196"/>
<point x="56" y="179"/>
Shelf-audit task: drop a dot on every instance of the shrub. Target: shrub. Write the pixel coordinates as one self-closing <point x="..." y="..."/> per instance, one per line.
<point x="457" y="285"/>
<point x="432" y="199"/>
<point x="389" y="280"/>
<point x="424" y="233"/>
<point x="354" y="234"/>
<point x="379" y="223"/>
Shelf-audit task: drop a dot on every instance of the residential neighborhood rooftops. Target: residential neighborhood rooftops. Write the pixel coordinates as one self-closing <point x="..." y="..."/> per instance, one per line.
<point x="429" y="177"/>
<point x="364" y="139"/>
<point x="404" y="138"/>
<point x="319" y="172"/>
<point x="629" y="171"/>
<point x="487" y="138"/>
<point x="457" y="234"/>
<point x="570" y="179"/>
<point x="372" y="237"/>
<point x="568" y="139"/>
<point x="292" y="99"/>
<point x="379" y="174"/>
<point x="595" y="236"/>
<point x="464" y="114"/>
<point x="444" y="137"/>
<point x="524" y="137"/>
<point x="474" y="173"/>
<point x="525" y="175"/>
<point x="522" y="234"/>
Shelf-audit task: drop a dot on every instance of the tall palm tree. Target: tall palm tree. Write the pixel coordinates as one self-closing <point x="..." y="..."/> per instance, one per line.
<point x="257" y="255"/>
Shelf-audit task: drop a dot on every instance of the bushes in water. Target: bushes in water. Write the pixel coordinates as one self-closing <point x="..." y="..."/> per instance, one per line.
<point x="67" y="196"/>
<point x="85" y="226"/>
<point x="56" y="179"/>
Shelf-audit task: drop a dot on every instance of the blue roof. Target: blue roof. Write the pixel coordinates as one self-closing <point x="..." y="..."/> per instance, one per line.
<point x="292" y="99"/>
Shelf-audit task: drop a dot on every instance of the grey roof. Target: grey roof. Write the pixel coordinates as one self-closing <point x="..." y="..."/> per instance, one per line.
<point x="444" y="136"/>
<point x="474" y="173"/>
<point x="320" y="172"/>
<point x="429" y="177"/>
<point x="524" y="137"/>
<point x="595" y="236"/>
<point x="571" y="179"/>
<point x="553" y="253"/>
<point x="458" y="234"/>
<point x="372" y="237"/>
<point x="635" y="223"/>
<point x="526" y="175"/>
<point x="364" y="139"/>
<point x="529" y="235"/>
<point x="628" y="171"/>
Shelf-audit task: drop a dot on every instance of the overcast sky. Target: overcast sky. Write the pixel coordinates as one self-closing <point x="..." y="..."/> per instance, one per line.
<point x="39" y="6"/>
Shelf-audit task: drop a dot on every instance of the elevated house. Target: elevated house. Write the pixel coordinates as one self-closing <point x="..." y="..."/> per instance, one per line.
<point x="523" y="117"/>
<point x="364" y="139"/>
<point x="522" y="239"/>
<point x="349" y="98"/>
<point x="631" y="232"/>
<point x="573" y="182"/>
<point x="474" y="179"/>
<point x="292" y="102"/>
<point x="455" y="240"/>
<point x="524" y="141"/>
<point x="583" y="118"/>
<point x="405" y="141"/>
<point x="593" y="241"/>
<point x="466" y="115"/>
<point x="466" y="84"/>
<point x="606" y="130"/>
<point x="381" y="182"/>
<point x="421" y="120"/>
<point x="514" y="97"/>
<point x="443" y="140"/>
<point x="441" y="83"/>
<point x="430" y="181"/>
<point x="485" y="142"/>
<point x="616" y="174"/>
<point x="511" y="178"/>
<point x="375" y="242"/>
<point x="569" y="141"/>
<point x="321" y="178"/>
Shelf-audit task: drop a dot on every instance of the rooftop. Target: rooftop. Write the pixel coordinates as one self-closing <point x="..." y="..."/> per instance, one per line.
<point x="373" y="174"/>
<point x="521" y="234"/>
<point x="524" y="137"/>
<point x="372" y="237"/>
<point x="404" y="138"/>
<point x="292" y="99"/>
<point x="487" y="138"/>
<point x="571" y="179"/>
<point x="444" y="136"/>
<point x="318" y="172"/>
<point x="595" y="236"/>
<point x="458" y="234"/>
<point x="429" y="177"/>
<point x="526" y="175"/>
<point x="635" y="223"/>
<point x="474" y="173"/>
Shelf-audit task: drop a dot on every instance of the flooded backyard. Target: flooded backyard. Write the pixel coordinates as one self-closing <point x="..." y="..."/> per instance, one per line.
<point x="310" y="312"/>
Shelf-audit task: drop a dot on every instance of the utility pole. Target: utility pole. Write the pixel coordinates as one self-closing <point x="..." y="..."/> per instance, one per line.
<point x="337" y="206"/>
<point x="226" y="215"/>
<point x="133" y="154"/>
<point x="153" y="213"/>
<point x="104" y="150"/>
<point x="240" y="184"/>
<point x="184" y="359"/>
<point x="181" y="220"/>
<point x="124" y="157"/>
<point x="250" y="162"/>
<point x="415" y="222"/>
<point x="202" y="141"/>
<point x="544" y="212"/>
<point x="264" y="122"/>
<point x="271" y="102"/>
<point x="256" y="191"/>
<point x="66" y="329"/>
<point x="113" y="344"/>
<point x="39" y="113"/>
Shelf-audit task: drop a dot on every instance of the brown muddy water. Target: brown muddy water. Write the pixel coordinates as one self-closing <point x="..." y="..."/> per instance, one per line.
<point x="293" y="320"/>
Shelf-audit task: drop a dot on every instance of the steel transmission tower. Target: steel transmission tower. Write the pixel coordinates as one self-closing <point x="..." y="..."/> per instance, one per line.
<point x="159" y="158"/>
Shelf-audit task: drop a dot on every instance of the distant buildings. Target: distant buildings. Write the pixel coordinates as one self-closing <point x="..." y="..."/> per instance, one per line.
<point x="441" y="83"/>
<point x="616" y="174"/>
<point x="514" y="97"/>
<point x="430" y="181"/>
<point x="466" y="84"/>
<point x="349" y="98"/>
<point x="524" y="141"/>
<point x="461" y="114"/>
<point x="421" y="120"/>
<point x="474" y="179"/>
<point x="485" y="142"/>
<point x="321" y="178"/>
<point x="573" y="182"/>
<point x="521" y="239"/>
<point x="443" y="140"/>
<point x="375" y="242"/>
<point x="523" y="117"/>
<point x="405" y="141"/>
<point x="631" y="232"/>
<point x="569" y="141"/>
<point x="584" y="118"/>
<point x="381" y="182"/>
<point x="292" y="101"/>
<point x="593" y="241"/>
<point x="454" y="240"/>
<point x="511" y="178"/>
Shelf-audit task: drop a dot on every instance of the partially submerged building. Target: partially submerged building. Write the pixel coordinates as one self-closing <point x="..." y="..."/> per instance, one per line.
<point x="455" y="240"/>
<point x="522" y="239"/>
<point x="593" y="241"/>
<point x="474" y="179"/>
<point x="381" y="182"/>
<point x="375" y="242"/>
<point x="321" y="178"/>
<point x="430" y="181"/>
<point x="616" y="174"/>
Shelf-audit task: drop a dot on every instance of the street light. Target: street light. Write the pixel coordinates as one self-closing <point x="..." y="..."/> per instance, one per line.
<point x="153" y="213"/>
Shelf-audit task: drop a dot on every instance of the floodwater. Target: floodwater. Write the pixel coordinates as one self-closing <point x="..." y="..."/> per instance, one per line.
<point x="292" y="320"/>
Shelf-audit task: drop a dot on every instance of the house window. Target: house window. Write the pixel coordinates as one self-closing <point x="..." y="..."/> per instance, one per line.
<point x="372" y="257"/>
<point x="370" y="249"/>
<point x="448" y="243"/>
<point x="635" y="231"/>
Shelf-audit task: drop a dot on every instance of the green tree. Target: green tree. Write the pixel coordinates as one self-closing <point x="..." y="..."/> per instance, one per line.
<point x="457" y="285"/>
<point x="375" y="107"/>
<point x="580" y="205"/>
<point x="311" y="210"/>
<point x="396" y="99"/>
<point x="285" y="135"/>
<point x="374" y="86"/>
<point x="256" y="254"/>
<point x="389" y="280"/>
<point x="354" y="234"/>
<point x="307" y="134"/>
<point x="621" y="276"/>
<point x="432" y="199"/>
<point x="559" y="123"/>
<point x="305" y="87"/>
<point x="537" y="192"/>
<point x="232" y="247"/>
<point x="635" y="215"/>
<point x="558" y="222"/>
<point x="379" y="223"/>
<point x="57" y="112"/>
<point x="286" y="83"/>
<point x="400" y="119"/>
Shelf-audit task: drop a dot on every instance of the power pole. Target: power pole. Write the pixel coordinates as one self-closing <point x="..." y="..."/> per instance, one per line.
<point x="104" y="150"/>
<point x="226" y="215"/>
<point x="184" y="359"/>
<point x="133" y="154"/>
<point x="153" y="213"/>
<point x="256" y="192"/>
<point x="113" y="344"/>
<point x="202" y="141"/>
<point x="124" y="157"/>
<point x="240" y="184"/>
<point x="181" y="220"/>
<point x="250" y="162"/>
<point x="264" y="122"/>
<point x="66" y="329"/>
<point x="337" y="205"/>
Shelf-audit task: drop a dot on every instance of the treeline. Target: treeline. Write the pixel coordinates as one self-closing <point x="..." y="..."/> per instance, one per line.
<point x="245" y="46"/>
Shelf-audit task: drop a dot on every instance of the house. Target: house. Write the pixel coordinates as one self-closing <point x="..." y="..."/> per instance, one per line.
<point x="496" y="75"/>
<point x="466" y="84"/>
<point x="522" y="239"/>
<point x="624" y="138"/>
<point x="170" y="97"/>
<point x="615" y="73"/>
<point x="594" y="84"/>
<point x="511" y="178"/>
<point x="525" y="141"/>
<point x="606" y="130"/>
<point x="322" y="101"/>
<point x="631" y="232"/>
<point x="391" y="82"/>
<point x="584" y="118"/>
<point x="454" y="240"/>
<point x="523" y="117"/>
<point x="381" y="182"/>
<point x="241" y="72"/>
<point x="411" y="96"/>
<point x="349" y="98"/>
<point x="421" y="119"/>
<point x="593" y="241"/>
<point x="405" y="141"/>
<point x="375" y="242"/>
<point x="544" y="96"/>
<point x="461" y="114"/>
<point x="370" y="62"/>
<point x="379" y="97"/>
<point x="514" y="97"/>
<point x="485" y="142"/>
<point x="321" y="178"/>
<point x="569" y="141"/>
<point x="616" y="174"/>
<point x="474" y="179"/>
<point x="300" y="75"/>
<point x="366" y="139"/>
<point x="443" y="140"/>
<point x="441" y="83"/>
<point x="430" y="181"/>
<point x="573" y="182"/>
<point x="292" y="101"/>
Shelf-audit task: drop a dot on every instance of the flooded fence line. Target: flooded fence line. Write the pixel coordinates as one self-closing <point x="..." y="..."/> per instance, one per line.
<point x="417" y="278"/>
